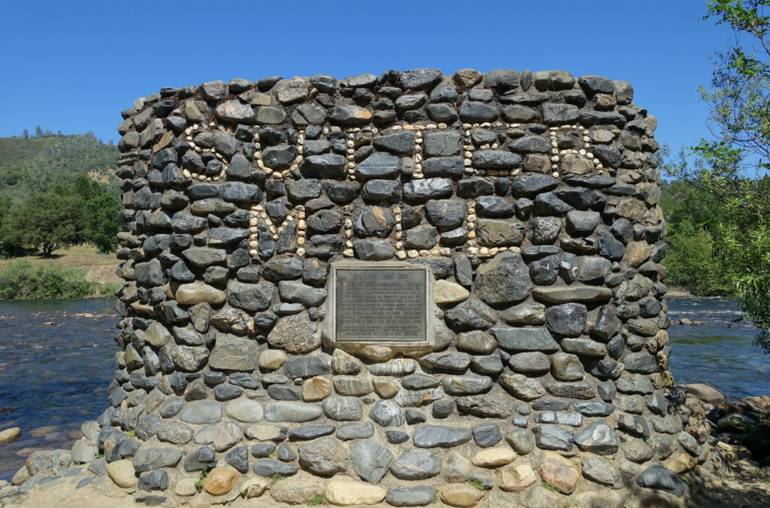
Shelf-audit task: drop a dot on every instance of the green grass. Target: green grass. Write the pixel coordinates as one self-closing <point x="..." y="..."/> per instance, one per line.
<point x="202" y="477"/>
<point x="317" y="500"/>
<point x="22" y="280"/>
<point x="276" y="477"/>
<point x="477" y="484"/>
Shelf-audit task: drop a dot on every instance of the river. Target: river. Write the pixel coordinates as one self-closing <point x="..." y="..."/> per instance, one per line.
<point x="57" y="358"/>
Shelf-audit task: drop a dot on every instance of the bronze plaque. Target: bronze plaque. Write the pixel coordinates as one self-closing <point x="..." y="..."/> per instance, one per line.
<point x="380" y="304"/>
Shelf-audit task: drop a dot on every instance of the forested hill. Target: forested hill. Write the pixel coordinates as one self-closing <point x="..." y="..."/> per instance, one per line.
<point x="31" y="160"/>
<point x="57" y="190"/>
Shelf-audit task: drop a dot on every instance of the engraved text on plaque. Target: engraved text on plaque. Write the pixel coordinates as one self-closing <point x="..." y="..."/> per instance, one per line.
<point x="385" y="304"/>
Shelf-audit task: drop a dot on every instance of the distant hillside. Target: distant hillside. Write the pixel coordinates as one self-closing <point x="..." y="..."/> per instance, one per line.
<point x="36" y="159"/>
<point x="57" y="191"/>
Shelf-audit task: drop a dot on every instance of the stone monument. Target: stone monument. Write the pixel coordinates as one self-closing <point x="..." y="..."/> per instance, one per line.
<point x="407" y="288"/>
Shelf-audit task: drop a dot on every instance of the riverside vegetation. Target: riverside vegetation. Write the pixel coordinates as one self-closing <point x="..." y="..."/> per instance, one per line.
<point x="58" y="195"/>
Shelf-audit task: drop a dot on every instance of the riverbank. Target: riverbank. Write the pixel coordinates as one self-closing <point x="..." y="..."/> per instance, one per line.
<point x="76" y="272"/>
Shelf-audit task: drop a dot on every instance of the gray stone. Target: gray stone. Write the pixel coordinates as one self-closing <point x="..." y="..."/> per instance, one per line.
<point x="472" y="314"/>
<point x="530" y="363"/>
<point x="416" y="464"/>
<point x="584" y="347"/>
<point x="387" y="413"/>
<point x="343" y="408"/>
<point x="291" y="411"/>
<point x="552" y="437"/>
<point x="433" y="436"/>
<point x="634" y="425"/>
<point x="307" y="432"/>
<point x="466" y="385"/>
<point x="153" y="480"/>
<point x="442" y="143"/>
<point x="370" y="459"/>
<point x="350" y="431"/>
<point x="295" y="334"/>
<point x="452" y="167"/>
<point x="566" y="367"/>
<point x="600" y="471"/>
<point x="487" y="434"/>
<point x="323" y="457"/>
<point x="233" y="353"/>
<point x="520" y="386"/>
<point x="582" y="223"/>
<point x="485" y="406"/>
<point x="271" y="467"/>
<point x="148" y="459"/>
<point x="175" y="433"/>
<point x="420" y="495"/>
<point x="244" y="410"/>
<point x="598" y="438"/>
<point x="554" y="114"/>
<point x="503" y="280"/>
<point x="201" y="412"/>
<point x="447" y="361"/>
<point x="525" y="339"/>
<point x="521" y="440"/>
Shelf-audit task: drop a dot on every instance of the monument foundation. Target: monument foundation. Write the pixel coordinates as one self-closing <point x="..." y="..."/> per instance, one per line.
<point x="403" y="289"/>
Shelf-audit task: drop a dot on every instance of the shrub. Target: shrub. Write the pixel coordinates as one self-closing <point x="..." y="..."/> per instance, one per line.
<point x="22" y="280"/>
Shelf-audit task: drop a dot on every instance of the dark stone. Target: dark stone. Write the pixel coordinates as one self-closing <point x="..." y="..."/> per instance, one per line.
<point x="452" y="167"/>
<point x="487" y="434"/>
<point x="658" y="477"/>
<point x="503" y="280"/>
<point x="533" y="184"/>
<point x="397" y="143"/>
<point x="495" y="159"/>
<point x="446" y="214"/>
<point x="566" y="320"/>
<point x="419" y="191"/>
<point x="420" y="495"/>
<point x="238" y="458"/>
<point x="472" y="314"/>
<point x="442" y="408"/>
<point x="378" y="165"/>
<point x="272" y="467"/>
<point x="477" y="112"/>
<point x="327" y="165"/>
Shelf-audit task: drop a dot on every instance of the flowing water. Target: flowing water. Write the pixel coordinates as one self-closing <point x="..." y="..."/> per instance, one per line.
<point x="57" y="359"/>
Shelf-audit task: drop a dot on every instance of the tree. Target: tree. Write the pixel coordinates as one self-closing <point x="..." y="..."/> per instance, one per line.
<point x="733" y="164"/>
<point x="46" y="221"/>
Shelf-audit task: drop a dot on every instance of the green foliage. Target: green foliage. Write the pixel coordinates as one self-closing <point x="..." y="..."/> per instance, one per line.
<point x="57" y="190"/>
<point x="732" y="167"/>
<point x="317" y="500"/>
<point x="21" y="280"/>
<point x="477" y="484"/>
<point x="202" y="477"/>
<point x="693" y="217"/>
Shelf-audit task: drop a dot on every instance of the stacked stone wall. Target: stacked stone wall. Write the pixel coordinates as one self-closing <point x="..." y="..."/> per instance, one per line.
<point x="532" y="197"/>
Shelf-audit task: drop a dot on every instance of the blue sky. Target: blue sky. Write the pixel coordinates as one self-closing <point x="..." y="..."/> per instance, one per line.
<point x="74" y="65"/>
